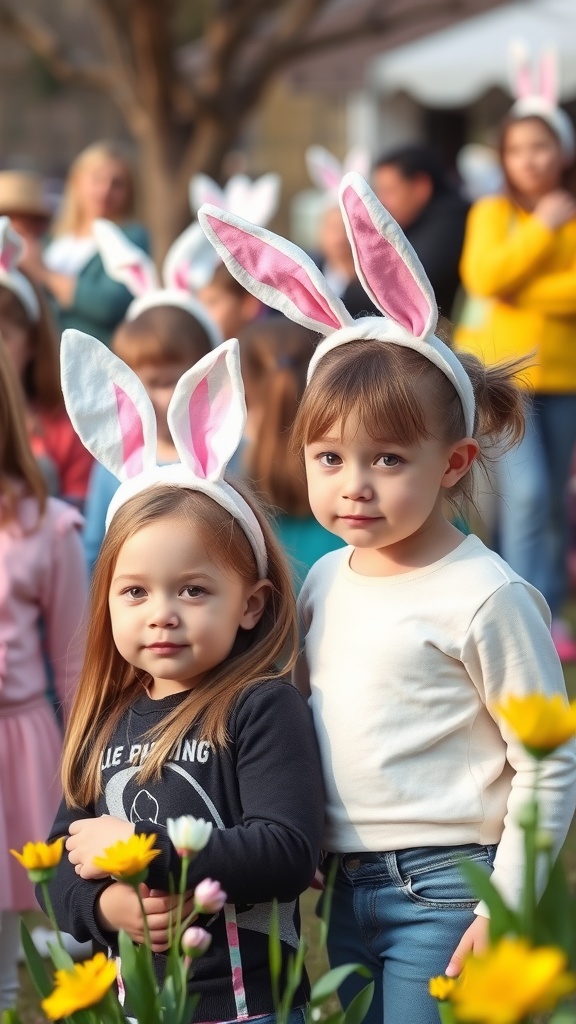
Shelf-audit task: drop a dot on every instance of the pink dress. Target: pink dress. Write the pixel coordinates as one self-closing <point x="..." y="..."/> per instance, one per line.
<point x="43" y="592"/>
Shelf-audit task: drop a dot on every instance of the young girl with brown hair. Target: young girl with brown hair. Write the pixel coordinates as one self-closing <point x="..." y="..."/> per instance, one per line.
<point x="275" y="354"/>
<point x="183" y="707"/>
<point x="30" y="338"/>
<point x="42" y="596"/>
<point x="413" y="633"/>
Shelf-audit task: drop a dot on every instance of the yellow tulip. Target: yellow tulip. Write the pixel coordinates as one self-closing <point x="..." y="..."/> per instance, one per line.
<point x="441" y="988"/>
<point x="509" y="981"/>
<point x="82" y="986"/>
<point x="128" y="860"/>
<point x="541" y="723"/>
<point x="40" y="859"/>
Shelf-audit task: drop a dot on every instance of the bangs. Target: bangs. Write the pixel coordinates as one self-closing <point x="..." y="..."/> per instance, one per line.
<point x="381" y="386"/>
<point x="149" y="350"/>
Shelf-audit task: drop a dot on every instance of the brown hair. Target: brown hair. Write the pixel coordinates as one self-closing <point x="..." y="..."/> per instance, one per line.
<point x="70" y="215"/>
<point x="41" y="377"/>
<point x="225" y="280"/>
<point x="161" y="335"/>
<point x="17" y="463"/>
<point x="109" y="685"/>
<point x="275" y="354"/>
<point x="399" y="395"/>
<point x="567" y="178"/>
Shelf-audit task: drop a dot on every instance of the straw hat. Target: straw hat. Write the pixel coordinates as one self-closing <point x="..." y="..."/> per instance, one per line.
<point x="21" y="192"/>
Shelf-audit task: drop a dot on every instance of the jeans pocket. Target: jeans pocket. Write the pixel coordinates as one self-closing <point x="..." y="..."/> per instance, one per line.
<point x="441" y="883"/>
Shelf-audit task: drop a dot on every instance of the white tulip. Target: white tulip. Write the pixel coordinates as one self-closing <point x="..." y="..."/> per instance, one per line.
<point x="188" y="834"/>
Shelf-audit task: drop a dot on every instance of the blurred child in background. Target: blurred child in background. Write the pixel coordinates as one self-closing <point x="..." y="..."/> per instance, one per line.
<point x="30" y="338"/>
<point x="42" y="596"/>
<point x="228" y="303"/>
<point x="275" y="354"/>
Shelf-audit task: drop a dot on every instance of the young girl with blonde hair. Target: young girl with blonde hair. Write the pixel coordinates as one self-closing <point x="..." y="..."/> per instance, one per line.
<point x="42" y="595"/>
<point x="183" y="707"/>
<point x="413" y="633"/>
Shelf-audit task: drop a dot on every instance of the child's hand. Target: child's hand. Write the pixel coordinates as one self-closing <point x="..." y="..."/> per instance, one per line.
<point x="118" y="908"/>
<point x="474" y="940"/>
<point x="89" y="837"/>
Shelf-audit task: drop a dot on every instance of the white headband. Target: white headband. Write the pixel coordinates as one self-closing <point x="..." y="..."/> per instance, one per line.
<point x="536" y="92"/>
<point x="115" y="420"/>
<point x="283" y="276"/>
<point x="131" y="266"/>
<point x="11" y="249"/>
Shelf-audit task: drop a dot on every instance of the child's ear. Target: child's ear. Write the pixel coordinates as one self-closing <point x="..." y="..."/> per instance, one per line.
<point x="255" y="604"/>
<point x="460" y="459"/>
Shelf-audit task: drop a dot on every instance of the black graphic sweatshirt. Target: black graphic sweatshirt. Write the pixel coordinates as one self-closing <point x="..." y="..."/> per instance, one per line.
<point x="263" y="795"/>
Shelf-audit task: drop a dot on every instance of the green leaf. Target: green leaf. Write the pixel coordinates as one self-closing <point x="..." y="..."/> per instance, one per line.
<point x="326" y="900"/>
<point x="446" y="1013"/>
<point x="503" y="921"/>
<point x="10" y="1017"/>
<point x="60" y="958"/>
<point x="360" y="1005"/>
<point x="556" y="915"/>
<point x="328" y="984"/>
<point x="139" y="980"/>
<point x="36" y="966"/>
<point x="275" y="954"/>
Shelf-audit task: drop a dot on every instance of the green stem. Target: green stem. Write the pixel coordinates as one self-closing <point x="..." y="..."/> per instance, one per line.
<point x="530" y="827"/>
<point x="144" y="919"/>
<point x="181" y="891"/>
<point x="51" y="914"/>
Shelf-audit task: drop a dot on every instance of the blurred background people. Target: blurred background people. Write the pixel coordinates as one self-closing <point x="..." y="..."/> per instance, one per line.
<point x="22" y="199"/>
<point x="519" y="270"/>
<point x="100" y="183"/>
<point x="274" y="354"/>
<point x="29" y="334"/>
<point x="43" y="591"/>
<point x="413" y="185"/>
<point x="230" y="306"/>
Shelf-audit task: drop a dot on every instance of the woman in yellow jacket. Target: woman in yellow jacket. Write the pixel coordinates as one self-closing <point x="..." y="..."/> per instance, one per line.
<point x="519" y="269"/>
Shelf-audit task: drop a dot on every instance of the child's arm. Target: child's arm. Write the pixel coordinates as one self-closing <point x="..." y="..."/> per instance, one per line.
<point x="274" y="852"/>
<point x="64" y="598"/>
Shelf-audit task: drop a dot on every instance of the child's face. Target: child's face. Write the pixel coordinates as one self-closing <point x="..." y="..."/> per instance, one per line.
<point x="230" y="311"/>
<point x="532" y="158"/>
<point x="375" y="494"/>
<point x="174" y="612"/>
<point x="17" y="340"/>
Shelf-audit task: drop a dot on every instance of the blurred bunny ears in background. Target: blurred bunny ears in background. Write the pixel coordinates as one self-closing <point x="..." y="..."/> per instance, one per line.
<point x="281" y="275"/>
<point x="535" y="84"/>
<point x="326" y="171"/>
<point x="11" y="251"/>
<point x="115" y="420"/>
<point x="131" y="266"/>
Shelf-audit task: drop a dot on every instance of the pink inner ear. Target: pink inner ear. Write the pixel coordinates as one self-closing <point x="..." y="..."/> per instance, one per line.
<point x="181" y="277"/>
<point x="8" y="256"/>
<point x="390" y="280"/>
<point x="206" y="418"/>
<point x="548" y="85"/>
<point x="139" y="277"/>
<point x="271" y="267"/>
<point x="523" y="81"/>
<point x="132" y="433"/>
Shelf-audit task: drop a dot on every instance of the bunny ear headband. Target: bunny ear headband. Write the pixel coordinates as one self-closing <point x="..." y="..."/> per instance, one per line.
<point x="11" y="249"/>
<point x="326" y="171"/>
<point x="537" y="94"/>
<point x="127" y="263"/>
<point x="283" y="276"/>
<point x="114" y="418"/>
<point x="256" y="200"/>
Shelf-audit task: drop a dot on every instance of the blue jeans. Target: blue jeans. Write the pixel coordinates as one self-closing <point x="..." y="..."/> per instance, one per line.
<point x="401" y="915"/>
<point x="530" y="484"/>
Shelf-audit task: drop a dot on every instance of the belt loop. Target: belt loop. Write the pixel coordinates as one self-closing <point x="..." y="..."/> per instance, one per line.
<point x="393" y="868"/>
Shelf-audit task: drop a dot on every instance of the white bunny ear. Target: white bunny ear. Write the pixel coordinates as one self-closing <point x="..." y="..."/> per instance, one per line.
<point x="189" y="248"/>
<point x="324" y="169"/>
<point x="203" y="189"/>
<point x="274" y="270"/>
<point x="207" y="412"/>
<point x="11" y="246"/>
<point x="357" y="159"/>
<point x="548" y="76"/>
<point x="262" y="199"/>
<point x="123" y="261"/>
<point x="520" y="69"/>
<point x="108" y="406"/>
<point x="386" y="264"/>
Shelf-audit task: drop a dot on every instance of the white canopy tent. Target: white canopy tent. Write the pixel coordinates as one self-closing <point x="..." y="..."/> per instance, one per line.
<point x="456" y="65"/>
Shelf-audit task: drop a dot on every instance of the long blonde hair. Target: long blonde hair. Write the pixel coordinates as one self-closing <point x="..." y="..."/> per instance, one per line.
<point x="17" y="463"/>
<point x="69" y="217"/>
<point x="109" y="685"/>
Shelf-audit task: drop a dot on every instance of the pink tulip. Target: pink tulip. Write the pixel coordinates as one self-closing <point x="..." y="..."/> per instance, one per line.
<point x="195" y="942"/>
<point x="209" y="897"/>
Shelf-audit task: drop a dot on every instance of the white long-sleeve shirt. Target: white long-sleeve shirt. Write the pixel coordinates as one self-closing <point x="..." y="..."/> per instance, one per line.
<point x="404" y="672"/>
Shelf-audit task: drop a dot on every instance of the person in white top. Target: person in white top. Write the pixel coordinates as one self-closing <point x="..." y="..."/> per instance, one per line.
<point x="413" y="632"/>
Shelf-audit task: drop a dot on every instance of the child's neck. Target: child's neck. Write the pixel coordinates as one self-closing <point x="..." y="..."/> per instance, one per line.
<point x="436" y="539"/>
